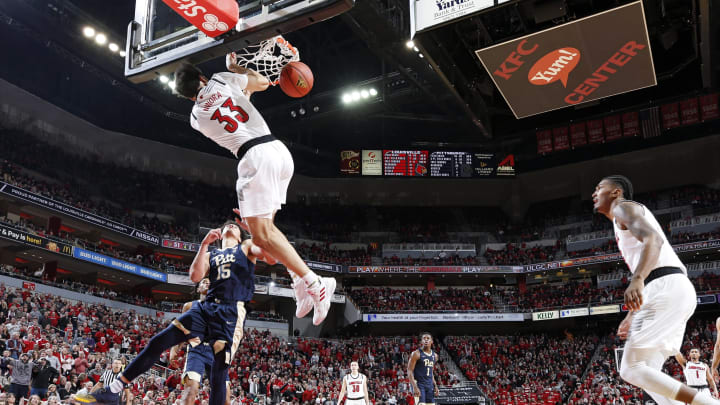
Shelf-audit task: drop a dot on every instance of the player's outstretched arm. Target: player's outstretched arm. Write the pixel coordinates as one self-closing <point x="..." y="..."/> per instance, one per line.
<point x="681" y="359"/>
<point x="631" y="217"/>
<point x="367" y="394"/>
<point x="201" y="263"/>
<point x="342" y="391"/>
<point x="411" y="372"/>
<point x="711" y="383"/>
<point x="256" y="81"/>
<point x="716" y="349"/>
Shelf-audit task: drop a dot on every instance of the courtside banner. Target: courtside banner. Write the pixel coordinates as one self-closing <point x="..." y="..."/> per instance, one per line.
<point x="35" y="240"/>
<point x="117" y="264"/>
<point x="443" y="317"/>
<point x="584" y="60"/>
<point x="545" y="315"/>
<point x="460" y="395"/>
<point x="320" y="266"/>
<point x="77" y="213"/>
<point x="180" y="245"/>
<point x="582" y="261"/>
<point x="435" y="269"/>
<point x="573" y="312"/>
<point x="605" y="309"/>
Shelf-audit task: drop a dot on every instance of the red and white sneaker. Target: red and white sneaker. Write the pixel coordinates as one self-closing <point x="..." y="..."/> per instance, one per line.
<point x="321" y="293"/>
<point x="302" y="299"/>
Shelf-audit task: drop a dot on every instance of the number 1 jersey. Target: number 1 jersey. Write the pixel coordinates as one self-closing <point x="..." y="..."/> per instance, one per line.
<point x="223" y="113"/>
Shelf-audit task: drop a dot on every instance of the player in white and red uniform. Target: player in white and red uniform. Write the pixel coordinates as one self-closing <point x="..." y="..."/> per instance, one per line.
<point x="697" y="373"/>
<point x="660" y="297"/>
<point x="355" y="386"/>
<point x="223" y="112"/>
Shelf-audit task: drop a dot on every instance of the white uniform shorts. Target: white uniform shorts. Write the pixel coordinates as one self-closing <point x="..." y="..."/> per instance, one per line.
<point x="355" y="401"/>
<point x="668" y="303"/>
<point x="264" y="174"/>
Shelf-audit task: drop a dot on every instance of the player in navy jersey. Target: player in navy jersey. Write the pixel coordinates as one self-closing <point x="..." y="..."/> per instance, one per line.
<point x="199" y="358"/>
<point x="219" y="319"/>
<point x="420" y="371"/>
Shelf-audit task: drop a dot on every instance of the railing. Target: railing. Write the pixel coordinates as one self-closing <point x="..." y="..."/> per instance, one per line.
<point x="606" y="234"/>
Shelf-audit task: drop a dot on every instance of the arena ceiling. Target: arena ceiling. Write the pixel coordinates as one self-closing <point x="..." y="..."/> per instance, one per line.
<point x="445" y="99"/>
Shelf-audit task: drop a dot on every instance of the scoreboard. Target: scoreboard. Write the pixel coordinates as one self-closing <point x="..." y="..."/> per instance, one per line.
<point x="451" y="164"/>
<point x="405" y="162"/>
<point x="423" y="163"/>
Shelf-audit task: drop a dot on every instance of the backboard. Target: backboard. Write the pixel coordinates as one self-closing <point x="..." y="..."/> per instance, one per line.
<point x="159" y="39"/>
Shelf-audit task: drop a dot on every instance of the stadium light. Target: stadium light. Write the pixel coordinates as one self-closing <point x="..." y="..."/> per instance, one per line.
<point x="164" y="79"/>
<point x="364" y="94"/>
<point x="122" y="54"/>
<point x="171" y="85"/>
<point x="89" y="32"/>
<point x="113" y="47"/>
<point x="100" y="39"/>
<point x="347" y="98"/>
<point x="373" y="92"/>
<point x="420" y="55"/>
<point x="415" y="48"/>
<point x="355" y="95"/>
<point x="410" y="44"/>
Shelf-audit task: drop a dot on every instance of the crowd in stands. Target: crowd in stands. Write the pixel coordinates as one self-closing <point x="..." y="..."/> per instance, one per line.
<point x="524" y="369"/>
<point x="687" y="237"/>
<point x="327" y="254"/>
<point x="606" y="248"/>
<point x="78" y="341"/>
<point x="521" y="254"/>
<point x="450" y="299"/>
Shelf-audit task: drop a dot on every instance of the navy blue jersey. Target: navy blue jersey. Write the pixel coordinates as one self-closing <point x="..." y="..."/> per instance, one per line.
<point x="424" y="368"/>
<point x="232" y="275"/>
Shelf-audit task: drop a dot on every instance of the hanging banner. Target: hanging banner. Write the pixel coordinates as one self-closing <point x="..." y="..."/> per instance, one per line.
<point x="443" y="317"/>
<point x="631" y="124"/>
<point x="41" y="242"/>
<point x="613" y="129"/>
<point x="561" y="139"/>
<point x="595" y="131"/>
<point x="709" y="107"/>
<point x="670" y="115"/>
<point x="577" y="134"/>
<point x="689" y="111"/>
<point x="350" y="162"/>
<point x="544" y="141"/>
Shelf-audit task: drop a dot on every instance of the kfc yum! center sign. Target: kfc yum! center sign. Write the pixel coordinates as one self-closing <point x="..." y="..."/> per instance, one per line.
<point x="584" y="60"/>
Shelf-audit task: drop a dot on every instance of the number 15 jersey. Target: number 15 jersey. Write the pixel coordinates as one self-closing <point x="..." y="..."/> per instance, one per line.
<point x="232" y="276"/>
<point x="223" y="113"/>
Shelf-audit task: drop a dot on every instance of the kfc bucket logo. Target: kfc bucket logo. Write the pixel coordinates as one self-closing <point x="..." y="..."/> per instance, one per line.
<point x="554" y="66"/>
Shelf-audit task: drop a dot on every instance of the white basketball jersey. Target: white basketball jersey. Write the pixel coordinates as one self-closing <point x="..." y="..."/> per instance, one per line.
<point x="354" y="385"/>
<point x="631" y="248"/>
<point x="223" y="112"/>
<point x="695" y="373"/>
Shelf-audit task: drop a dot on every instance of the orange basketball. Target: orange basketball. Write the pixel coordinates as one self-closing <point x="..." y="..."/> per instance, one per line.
<point x="296" y="79"/>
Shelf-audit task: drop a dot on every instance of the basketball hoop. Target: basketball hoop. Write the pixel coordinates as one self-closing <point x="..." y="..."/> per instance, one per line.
<point x="268" y="57"/>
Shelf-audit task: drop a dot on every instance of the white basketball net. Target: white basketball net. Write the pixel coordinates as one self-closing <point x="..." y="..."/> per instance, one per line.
<point x="268" y="57"/>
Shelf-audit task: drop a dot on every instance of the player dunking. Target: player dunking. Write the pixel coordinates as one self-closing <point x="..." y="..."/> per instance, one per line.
<point x="420" y="371"/>
<point x="660" y="297"/>
<point x="199" y="358"/>
<point x="697" y="373"/>
<point x="217" y="320"/>
<point x="354" y="385"/>
<point x="223" y="112"/>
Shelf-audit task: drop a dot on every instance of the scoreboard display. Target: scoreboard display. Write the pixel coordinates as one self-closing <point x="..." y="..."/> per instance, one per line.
<point x="405" y="162"/>
<point x="451" y="164"/>
<point x="423" y="163"/>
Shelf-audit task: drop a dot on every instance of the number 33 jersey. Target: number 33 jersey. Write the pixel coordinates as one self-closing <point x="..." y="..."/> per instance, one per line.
<point x="232" y="275"/>
<point x="223" y="113"/>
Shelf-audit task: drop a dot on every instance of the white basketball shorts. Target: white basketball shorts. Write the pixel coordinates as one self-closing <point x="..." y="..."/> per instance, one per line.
<point x="355" y="402"/>
<point x="264" y="175"/>
<point x="668" y="303"/>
